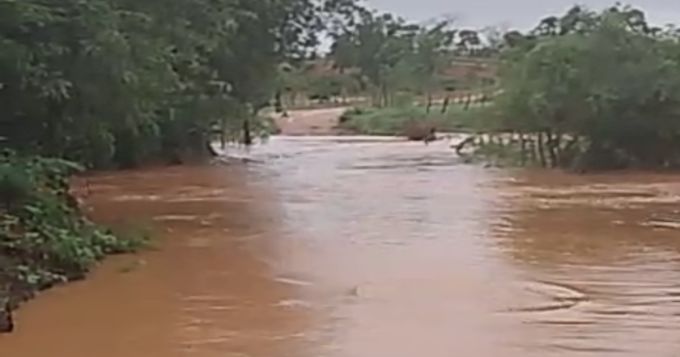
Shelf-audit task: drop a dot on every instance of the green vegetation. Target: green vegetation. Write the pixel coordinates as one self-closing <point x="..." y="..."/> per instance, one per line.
<point x="591" y="91"/>
<point x="118" y="83"/>
<point x="400" y="119"/>
<point x="381" y="57"/>
<point x="114" y="84"/>
<point x="588" y="90"/>
<point x="389" y="57"/>
<point x="43" y="234"/>
<point x="403" y="67"/>
<point x="44" y="239"/>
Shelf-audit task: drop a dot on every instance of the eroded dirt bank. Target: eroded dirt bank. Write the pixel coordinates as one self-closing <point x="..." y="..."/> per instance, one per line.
<point x="323" y="121"/>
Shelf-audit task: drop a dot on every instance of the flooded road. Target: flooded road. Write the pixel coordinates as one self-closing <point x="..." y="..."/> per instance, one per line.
<point x="365" y="247"/>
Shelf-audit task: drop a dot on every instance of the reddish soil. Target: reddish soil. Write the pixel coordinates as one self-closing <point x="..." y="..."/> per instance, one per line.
<point x="311" y="122"/>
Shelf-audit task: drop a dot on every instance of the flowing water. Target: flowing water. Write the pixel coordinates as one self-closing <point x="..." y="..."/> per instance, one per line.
<point x="364" y="247"/>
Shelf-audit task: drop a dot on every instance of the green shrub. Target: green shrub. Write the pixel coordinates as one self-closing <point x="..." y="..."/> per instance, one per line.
<point x="42" y="231"/>
<point x="395" y="119"/>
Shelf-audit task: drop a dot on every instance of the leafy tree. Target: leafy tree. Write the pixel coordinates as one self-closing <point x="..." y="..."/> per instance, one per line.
<point x="594" y="90"/>
<point x="431" y="56"/>
<point x="468" y="41"/>
<point x="121" y="82"/>
<point x="375" y="45"/>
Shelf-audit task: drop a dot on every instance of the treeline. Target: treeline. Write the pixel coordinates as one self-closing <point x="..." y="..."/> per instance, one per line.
<point x="115" y="84"/>
<point x="586" y="91"/>
<point x="387" y="57"/>
<point x="118" y="83"/>
<point x="44" y="238"/>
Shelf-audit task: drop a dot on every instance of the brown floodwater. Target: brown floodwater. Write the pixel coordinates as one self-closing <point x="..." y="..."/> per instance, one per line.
<point x="352" y="247"/>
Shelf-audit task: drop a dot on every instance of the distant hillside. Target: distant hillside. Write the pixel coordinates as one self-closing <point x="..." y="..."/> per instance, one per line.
<point x="461" y="68"/>
<point x="481" y="68"/>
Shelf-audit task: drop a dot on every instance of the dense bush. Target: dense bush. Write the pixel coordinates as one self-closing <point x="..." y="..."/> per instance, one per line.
<point x="111" y="83"/>
<point x="592" y="90"/>
<point x="116" y="84"/>
<point x="44" y="238"/>
<point x="42" y="230"/>
<point x="402" y="119"/>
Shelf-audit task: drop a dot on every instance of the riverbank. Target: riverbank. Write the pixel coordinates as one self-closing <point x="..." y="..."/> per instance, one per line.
<point x="323" y="121"/>
<point x="58" y="243"/>
<point x="45" y="237"/>
<point x="254" y="260"/>
<point x="411" y="120"/>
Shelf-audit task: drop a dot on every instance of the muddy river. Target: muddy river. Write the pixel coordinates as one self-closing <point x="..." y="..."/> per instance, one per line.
<point x="358" y="247"/>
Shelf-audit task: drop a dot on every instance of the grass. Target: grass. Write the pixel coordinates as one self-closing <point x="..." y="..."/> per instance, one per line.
<point x="395" y="120"/>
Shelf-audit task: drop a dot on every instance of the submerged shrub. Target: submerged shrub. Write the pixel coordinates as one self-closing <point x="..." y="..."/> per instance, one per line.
<point x="41" y="227"/>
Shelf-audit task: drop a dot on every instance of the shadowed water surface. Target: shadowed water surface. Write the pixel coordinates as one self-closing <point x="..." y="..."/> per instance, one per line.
<point x="369" y="247"/>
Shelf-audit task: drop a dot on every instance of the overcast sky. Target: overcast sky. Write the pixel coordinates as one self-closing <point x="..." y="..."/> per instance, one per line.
<point x="520" y="14"/>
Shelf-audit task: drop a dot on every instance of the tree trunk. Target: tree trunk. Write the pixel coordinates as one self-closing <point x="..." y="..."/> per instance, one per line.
<point x="376" y="97"/>
<point x="541" y="150"/>
<point x="293" y="99"/>
<point x="247" y="134"/>
<point x="522" y="149"/>
<point x="278" y="102"/>
<point x="445" y="105"/>
<point x="551" y="145"/>
<point x="385" y="96"/>
<point x="6" y="320"/>
<point x="468" y="101"/>
<point x="532" y="148"/>
<point x="467" y="141"/>
<point x="223" y="133"/>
